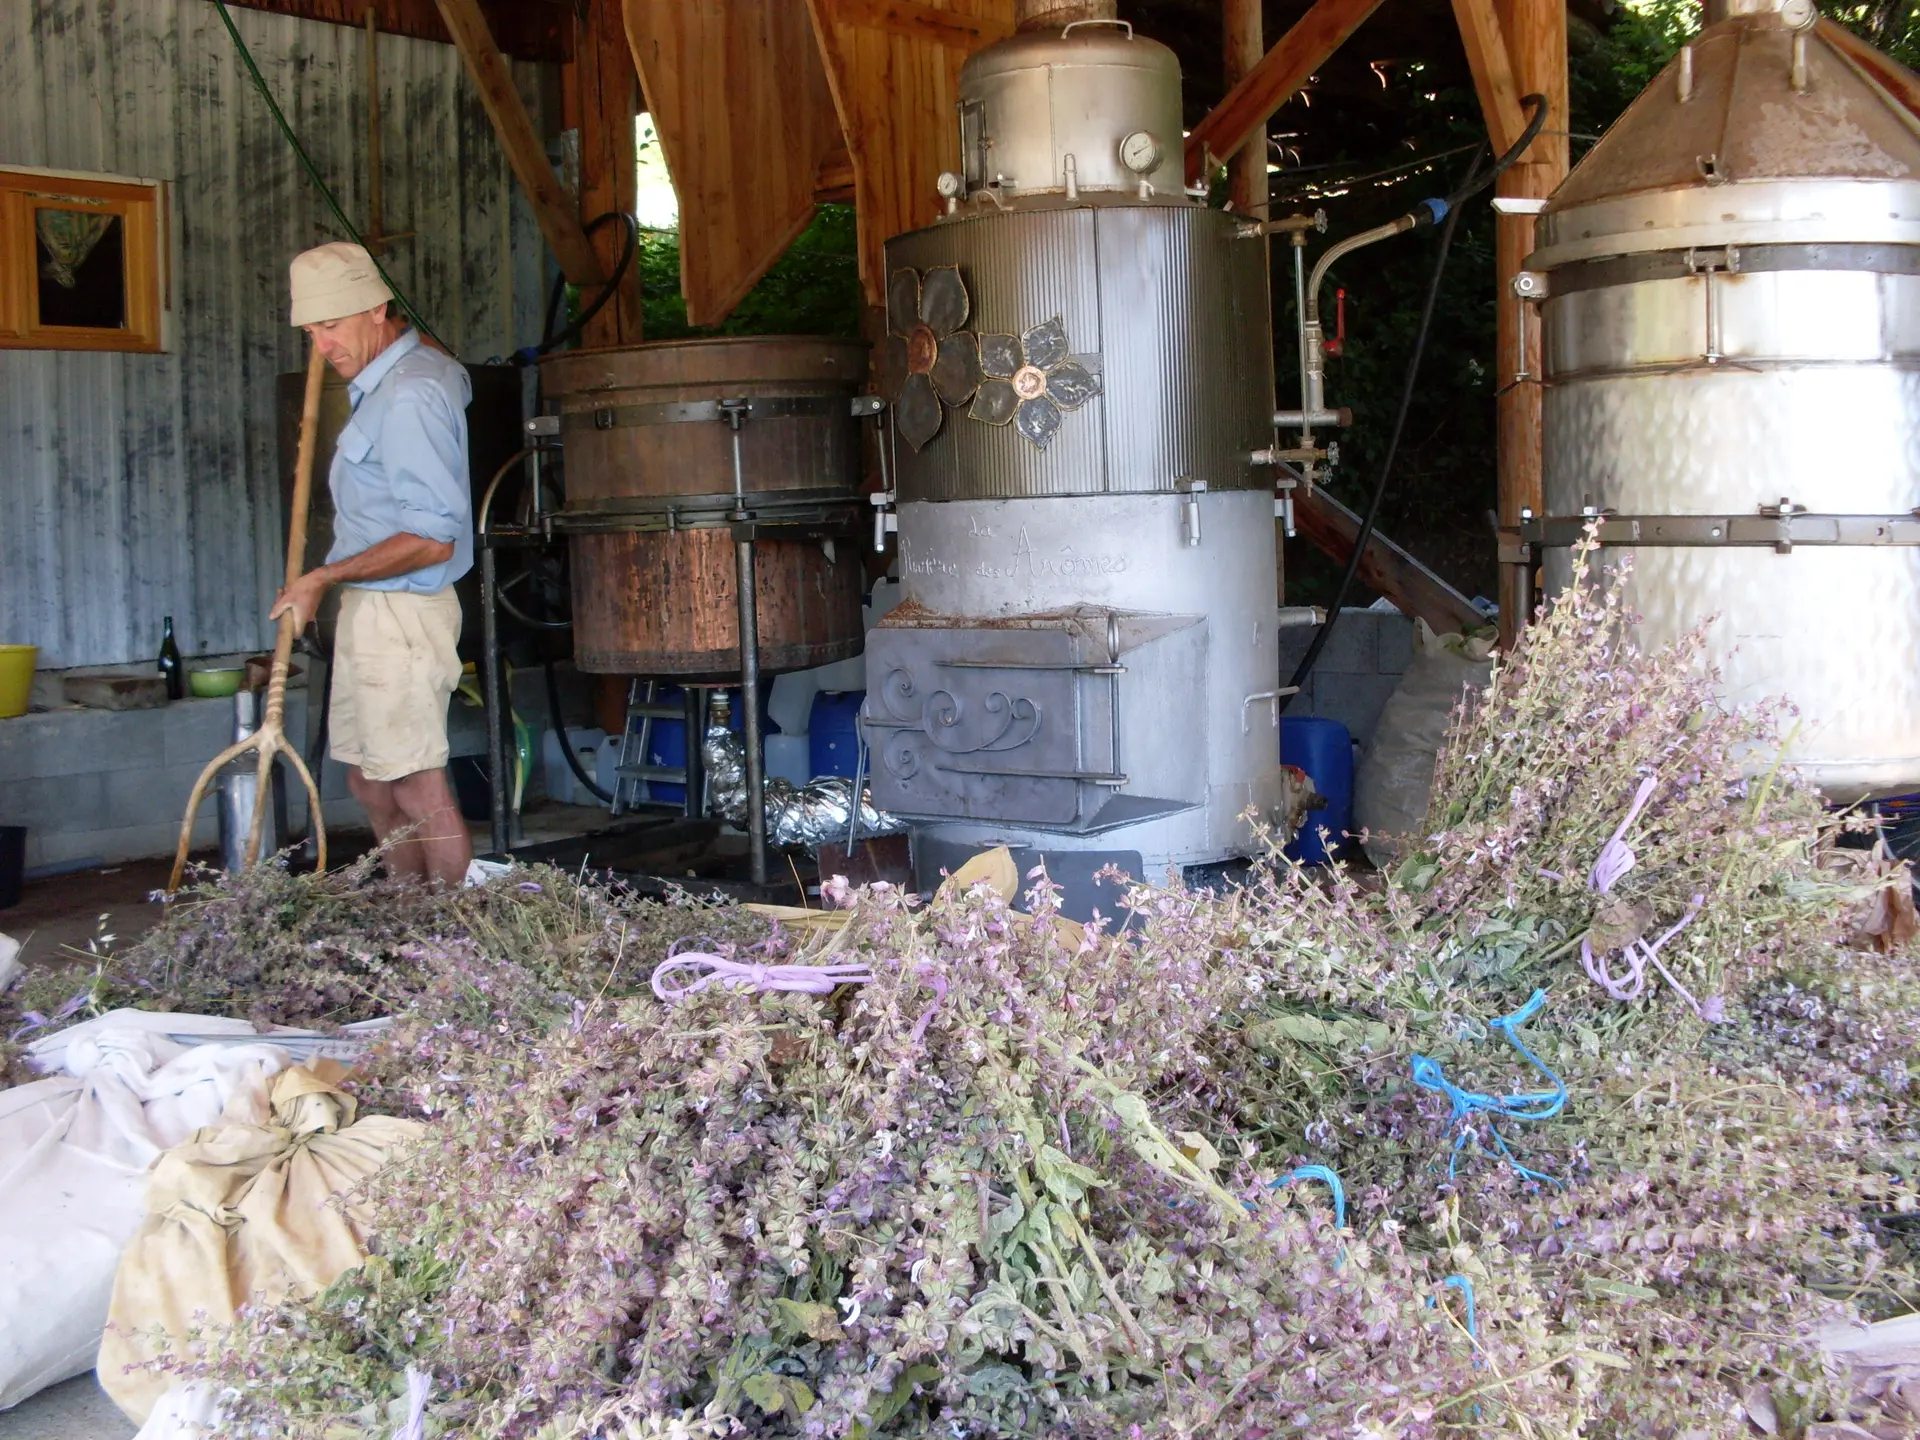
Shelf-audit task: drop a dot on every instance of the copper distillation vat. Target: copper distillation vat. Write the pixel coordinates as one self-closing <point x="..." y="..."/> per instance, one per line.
<point x="712" y="513"/>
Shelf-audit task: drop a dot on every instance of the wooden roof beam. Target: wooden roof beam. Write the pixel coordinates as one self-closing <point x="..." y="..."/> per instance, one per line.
<point x="1384" y="566"/>
<point x="551" y="206"/>
<point x="1275" y="80"/>
<point x="526" y="29"/>
<point x="1492" y="65"/>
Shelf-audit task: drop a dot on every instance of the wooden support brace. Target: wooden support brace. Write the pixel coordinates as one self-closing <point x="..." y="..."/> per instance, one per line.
<point x="551" y="206"/>
<point x="1385" y="567"/>
<point x="1270" y="84"/>
<point x="1492" y="65"/>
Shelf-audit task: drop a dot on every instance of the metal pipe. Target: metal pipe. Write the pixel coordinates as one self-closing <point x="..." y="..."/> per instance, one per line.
<point x="736" y="414"/>
<point x="495" y="700"/>
<point x="694" y="803"/>
<point x="750" y="719"/>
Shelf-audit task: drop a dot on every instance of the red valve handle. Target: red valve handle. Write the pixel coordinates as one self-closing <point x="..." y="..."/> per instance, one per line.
<point x="1339" y="340"/>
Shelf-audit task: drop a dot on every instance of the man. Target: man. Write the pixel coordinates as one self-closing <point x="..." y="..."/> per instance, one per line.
<point x="403" y="533"/>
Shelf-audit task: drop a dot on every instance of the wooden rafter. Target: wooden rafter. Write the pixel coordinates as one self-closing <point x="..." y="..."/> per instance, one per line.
<point x="602" y="95"/>
<point x="524" y="29"/>
<point x="895" y="82"/>
<point x="1492" y="65"/>
<point x="1384" y="566"/>
<point x="552" y="207"/>
<point x="740" y="99"/>
<point x="915" y="21"/>
<point x="1276" y="79"/>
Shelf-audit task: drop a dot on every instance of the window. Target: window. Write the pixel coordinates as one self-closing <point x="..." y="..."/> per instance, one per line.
<point x="82" y="262"/>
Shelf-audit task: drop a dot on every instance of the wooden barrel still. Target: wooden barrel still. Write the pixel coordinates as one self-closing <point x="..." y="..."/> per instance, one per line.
<point x="649" y="479"/>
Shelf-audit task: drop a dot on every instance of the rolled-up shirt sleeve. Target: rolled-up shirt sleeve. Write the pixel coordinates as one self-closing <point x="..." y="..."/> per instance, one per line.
<point x="420" y="445"/>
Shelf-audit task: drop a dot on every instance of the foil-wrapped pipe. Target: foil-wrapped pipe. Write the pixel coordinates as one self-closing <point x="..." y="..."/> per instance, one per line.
<point x="800" y="815"/>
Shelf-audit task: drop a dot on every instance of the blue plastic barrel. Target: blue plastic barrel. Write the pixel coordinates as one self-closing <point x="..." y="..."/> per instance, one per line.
<point x="833" y="732"/>
<point x="1323" y="749"/>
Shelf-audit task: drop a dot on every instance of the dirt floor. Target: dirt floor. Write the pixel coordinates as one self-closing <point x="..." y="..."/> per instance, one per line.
<point x="76" y="1410"/>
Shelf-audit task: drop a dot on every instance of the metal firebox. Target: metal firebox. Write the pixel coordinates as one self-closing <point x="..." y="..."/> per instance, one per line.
<point x="1730" y="289"/>
<point x="1084" y="665"/>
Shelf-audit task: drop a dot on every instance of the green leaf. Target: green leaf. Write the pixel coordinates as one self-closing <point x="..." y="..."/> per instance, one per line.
<point x="884" y="1409"/>
<point x="1618" y="1290"/>
<point x="1065" y="1179"/>
<point x="1132" y="1110"/>
<point x="816" y="1322"/>
<point x="778" y="1393"/>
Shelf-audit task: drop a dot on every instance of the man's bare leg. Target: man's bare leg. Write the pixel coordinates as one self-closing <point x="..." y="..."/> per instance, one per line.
<point x="440" y="831"/>
<point x="407" y="859"/>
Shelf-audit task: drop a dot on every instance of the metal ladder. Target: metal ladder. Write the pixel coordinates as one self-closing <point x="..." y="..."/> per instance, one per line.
<point x="634" y="775"/>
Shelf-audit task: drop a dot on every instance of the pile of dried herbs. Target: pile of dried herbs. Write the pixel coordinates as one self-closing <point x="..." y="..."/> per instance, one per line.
<point x="1034" y="1182"/>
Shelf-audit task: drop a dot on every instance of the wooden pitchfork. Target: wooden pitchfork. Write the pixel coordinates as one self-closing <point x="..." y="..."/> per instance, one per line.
<point x="271" y="738"/>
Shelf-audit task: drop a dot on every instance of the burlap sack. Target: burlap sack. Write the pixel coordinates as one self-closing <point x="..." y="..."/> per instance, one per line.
<point x="240" y="1213"/>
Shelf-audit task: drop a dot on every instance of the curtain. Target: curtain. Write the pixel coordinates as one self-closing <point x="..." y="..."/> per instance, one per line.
<point x="69" y="237"/>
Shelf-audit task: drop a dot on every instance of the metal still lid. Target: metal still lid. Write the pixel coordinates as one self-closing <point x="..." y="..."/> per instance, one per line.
<point x="1772" y="127"/>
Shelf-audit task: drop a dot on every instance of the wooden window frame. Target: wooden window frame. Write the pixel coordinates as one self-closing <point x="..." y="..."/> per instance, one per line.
<point x="144" y="226"/>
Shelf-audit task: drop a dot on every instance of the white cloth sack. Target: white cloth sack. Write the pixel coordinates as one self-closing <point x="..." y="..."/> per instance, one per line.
<point x="9" y="961"/>
<point x="1395" y="782"/>
<point x="74" y="1152"/>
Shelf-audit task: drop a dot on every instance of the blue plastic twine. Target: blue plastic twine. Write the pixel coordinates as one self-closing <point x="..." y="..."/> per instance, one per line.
<point x="1524" y="1105"/>
<point x="1320" y="1172"/>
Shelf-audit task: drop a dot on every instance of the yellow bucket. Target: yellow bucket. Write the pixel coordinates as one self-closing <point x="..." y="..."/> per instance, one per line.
<point x="16" y="678"/>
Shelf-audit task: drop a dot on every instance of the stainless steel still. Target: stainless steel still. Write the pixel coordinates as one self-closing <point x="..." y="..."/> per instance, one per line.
<point x="1084" y="666"/>
<point x="1089" y="107"/>
<point x="1731" y="285"/>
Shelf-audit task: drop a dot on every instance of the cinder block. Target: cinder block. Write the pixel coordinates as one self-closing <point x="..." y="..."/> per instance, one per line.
<point x="1396" y="643"/>
<point x="74" y="742"/>
<point x="125" y="842"/>
<point x="56" y="802"/>
<point x="1353" y="648"/>
<point x="1294" y="641"/>
<point x="1355" y="701"/>
<point x="195" y="731"/>
<point x="138" y="797"/>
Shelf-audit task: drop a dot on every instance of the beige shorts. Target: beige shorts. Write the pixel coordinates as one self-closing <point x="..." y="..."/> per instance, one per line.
<point x="396" y="663"/>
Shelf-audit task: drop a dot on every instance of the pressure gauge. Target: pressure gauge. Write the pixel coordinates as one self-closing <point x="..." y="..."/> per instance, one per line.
<point x="1140" y="153"/>
<point x="950" y="185"/>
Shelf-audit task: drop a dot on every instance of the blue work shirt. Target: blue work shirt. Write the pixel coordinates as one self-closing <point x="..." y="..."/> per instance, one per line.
<point x="400" y="465"/>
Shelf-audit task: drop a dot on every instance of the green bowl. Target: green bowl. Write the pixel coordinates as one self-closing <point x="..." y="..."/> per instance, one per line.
<point x="212" y="684"/>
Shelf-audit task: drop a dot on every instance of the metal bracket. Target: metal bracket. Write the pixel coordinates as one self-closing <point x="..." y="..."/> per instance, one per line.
<point x="865" y="405"/>
<point x="543" y="426"/>
<point x="1780" y="527"/>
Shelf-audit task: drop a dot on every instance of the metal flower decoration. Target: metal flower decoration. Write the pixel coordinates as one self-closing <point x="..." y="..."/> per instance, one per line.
<point x="1029" y="379"/>
<point x="929" y="358"/>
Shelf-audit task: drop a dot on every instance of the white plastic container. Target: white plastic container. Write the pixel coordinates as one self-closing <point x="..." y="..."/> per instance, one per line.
<point x="558" y="775"/>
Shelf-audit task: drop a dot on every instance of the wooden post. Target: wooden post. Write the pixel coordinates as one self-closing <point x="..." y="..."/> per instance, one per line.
<point x="1536" y="34"/>
<point x="1268" y="85"/>
<point x="601" y="95"/>
<point x="514" y="127"/>
<point x="1244" y="43"/>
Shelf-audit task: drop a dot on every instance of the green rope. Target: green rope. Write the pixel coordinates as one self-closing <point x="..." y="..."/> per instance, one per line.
<point x="313" y="174"/>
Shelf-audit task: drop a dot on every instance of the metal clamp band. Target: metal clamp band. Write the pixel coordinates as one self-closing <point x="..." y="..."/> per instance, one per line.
<point x="841" y="514"/>
<point x="1776" y="527"/>
<point x="680" y="412"/>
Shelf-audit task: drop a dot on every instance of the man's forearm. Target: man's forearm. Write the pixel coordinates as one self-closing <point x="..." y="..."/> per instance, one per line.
<point x="399" y="554"/>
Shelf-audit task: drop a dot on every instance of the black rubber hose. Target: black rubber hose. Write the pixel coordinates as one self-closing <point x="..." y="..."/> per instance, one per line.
<point x="560" y="730"/>
<point x="549" y="341"/>
<point x="1475" y="182"/>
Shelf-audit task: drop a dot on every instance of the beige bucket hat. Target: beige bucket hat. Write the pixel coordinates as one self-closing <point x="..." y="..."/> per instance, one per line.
<point x="334" y="280"/>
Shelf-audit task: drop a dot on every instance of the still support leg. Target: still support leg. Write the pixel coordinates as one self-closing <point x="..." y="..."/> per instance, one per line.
<point x="499" y="728"/>
<point x="750" y="714"/>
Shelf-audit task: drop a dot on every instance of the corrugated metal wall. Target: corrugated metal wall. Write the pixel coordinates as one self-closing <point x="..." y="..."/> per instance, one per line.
<point x="137" y="486"/>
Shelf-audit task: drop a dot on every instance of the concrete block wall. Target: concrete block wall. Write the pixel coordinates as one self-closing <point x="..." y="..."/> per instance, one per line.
<point x="113" y="784"/>
<point x="1368" y="653"/>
